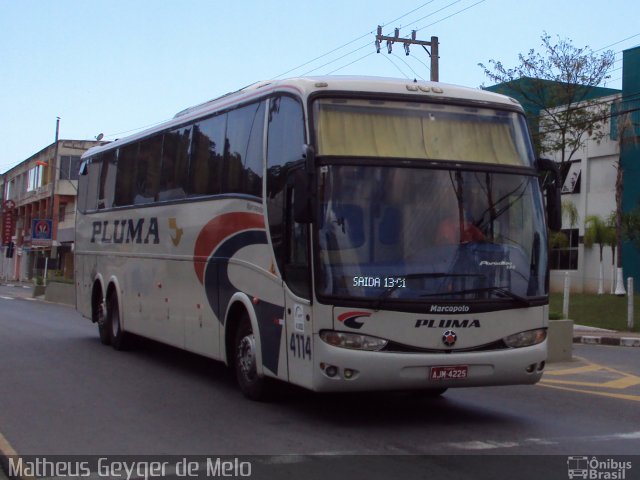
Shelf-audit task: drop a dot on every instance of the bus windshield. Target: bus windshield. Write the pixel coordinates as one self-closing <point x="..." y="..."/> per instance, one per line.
<point x="424" y="131"/>
<point x="423" y="234"/>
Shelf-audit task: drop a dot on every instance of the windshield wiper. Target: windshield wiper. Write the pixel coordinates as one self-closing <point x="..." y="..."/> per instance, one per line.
<point x="499" y="290"/>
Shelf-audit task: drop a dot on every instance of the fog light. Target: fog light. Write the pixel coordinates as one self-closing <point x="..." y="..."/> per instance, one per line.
<point x="348" y="373"/>
<point x="531" y="368"/>
<point x="331" y="371"/>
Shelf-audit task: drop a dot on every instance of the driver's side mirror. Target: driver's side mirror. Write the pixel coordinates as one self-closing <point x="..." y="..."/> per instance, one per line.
<point x="552" y="189"/>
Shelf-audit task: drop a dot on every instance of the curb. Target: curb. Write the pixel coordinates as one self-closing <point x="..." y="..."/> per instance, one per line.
<point x="605" y="340"/>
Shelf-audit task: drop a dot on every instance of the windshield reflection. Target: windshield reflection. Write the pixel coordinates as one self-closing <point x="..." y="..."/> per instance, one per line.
<point x="418" y="234"/>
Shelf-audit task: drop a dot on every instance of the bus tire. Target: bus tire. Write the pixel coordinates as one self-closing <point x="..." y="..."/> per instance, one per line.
<point x="430" y="393"/>
<point x="99" y="314"/>
<point x="118" y="335"/>
<point x="104" y="329"/>
<point x="251" y="384"/>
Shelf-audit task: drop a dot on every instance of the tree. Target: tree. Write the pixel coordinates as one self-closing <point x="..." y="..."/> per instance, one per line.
<point x="557" y="90"/>
<point x="598" y="231"/>
<point x="627" y="225"/>
<point x="615" y="240"/>
<point x="631" y="226"/>
<point x="560" y="240"/>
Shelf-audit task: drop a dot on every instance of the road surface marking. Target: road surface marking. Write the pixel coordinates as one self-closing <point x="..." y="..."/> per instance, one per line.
<point x="479" y="445"/>
<point x="622" y="396"/>
<point x="592" y="376"/>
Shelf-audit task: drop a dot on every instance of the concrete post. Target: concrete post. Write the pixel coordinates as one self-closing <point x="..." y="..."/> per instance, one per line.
<point x="565" y="297"/>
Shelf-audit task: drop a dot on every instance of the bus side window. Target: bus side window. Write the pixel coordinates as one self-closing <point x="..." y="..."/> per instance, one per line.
<point x="107" y="184"/>
<point x="147" y="176"/>
<point x="175" y="164"/>
<point x="285" y="139"/>
<point x="205" y="173"/>
<point x="125" y="178"/>
<point x="88" y="185"/>
<point x="245" y="132"/>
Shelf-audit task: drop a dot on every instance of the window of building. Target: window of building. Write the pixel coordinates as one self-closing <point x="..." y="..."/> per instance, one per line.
<point x="35" y="177"/>
<point x="570" y="172"/>
<point x="565" y="257"/>
<point x="69" y="167"/>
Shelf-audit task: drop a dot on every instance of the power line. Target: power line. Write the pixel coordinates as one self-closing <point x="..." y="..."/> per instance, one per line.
<point x="449" y="16"/>
<point x="398" y="68"/>
<point x="371" y="32"/>
<point x="616" y="43"/>
<point x="350" y="43"/>
<point x="351" y="63"/>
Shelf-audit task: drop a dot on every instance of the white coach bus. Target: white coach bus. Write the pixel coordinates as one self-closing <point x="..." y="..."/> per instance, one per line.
<point x="337" y="233"/>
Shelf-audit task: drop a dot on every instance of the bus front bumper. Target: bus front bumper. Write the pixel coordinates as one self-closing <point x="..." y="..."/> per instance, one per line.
<point x="338" y="369"/>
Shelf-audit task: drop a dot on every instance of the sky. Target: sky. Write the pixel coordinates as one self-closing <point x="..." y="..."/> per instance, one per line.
<point x="118" y="66"/>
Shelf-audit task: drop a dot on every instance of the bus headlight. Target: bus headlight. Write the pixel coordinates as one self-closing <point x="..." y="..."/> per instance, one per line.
<point x="526" y="339"/>
<point x="354" y="341"/>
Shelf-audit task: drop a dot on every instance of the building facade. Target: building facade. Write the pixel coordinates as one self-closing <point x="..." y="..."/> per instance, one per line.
<point x="589" y="184"/>
<point x="38" y="211"/>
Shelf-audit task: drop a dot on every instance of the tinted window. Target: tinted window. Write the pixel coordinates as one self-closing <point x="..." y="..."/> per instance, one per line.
<point x="88" y="185"/>
<point x="284" y="148"/>
<point x="125" y="177"/>
<point x="175" y="164"/>
<point x="207" y="156"/>
<point x="107" y="181"/>
<point x="245" y="132"/>
<point x="147" y="178"/>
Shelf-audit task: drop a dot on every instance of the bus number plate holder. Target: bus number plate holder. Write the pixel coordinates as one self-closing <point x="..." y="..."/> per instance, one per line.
<point x="457" y="372"/>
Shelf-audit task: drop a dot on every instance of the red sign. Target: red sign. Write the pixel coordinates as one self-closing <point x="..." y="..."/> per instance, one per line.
<point x="7" y="221"/>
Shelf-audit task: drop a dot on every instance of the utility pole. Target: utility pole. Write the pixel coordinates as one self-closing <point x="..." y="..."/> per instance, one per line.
<point x="433" y="43"/>
<point x="53" y="172"/>
<point x="52" y="168"/>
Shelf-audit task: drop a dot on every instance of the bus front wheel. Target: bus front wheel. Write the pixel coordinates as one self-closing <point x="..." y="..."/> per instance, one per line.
<point x="251" y="384"/>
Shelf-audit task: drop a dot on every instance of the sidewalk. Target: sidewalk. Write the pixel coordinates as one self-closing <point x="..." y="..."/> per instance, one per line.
<point x="18" y="289"/>
<point x="601" y="336"/>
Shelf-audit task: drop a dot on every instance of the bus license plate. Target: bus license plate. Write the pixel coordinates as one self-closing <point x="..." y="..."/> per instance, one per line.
<point x="449" y="373"/>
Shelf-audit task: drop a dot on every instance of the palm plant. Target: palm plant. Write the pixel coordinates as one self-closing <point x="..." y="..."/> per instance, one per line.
<point x="598" y="231"/>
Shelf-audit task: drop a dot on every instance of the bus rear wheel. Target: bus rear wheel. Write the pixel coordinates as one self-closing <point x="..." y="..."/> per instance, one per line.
<point x="118" y="335"/>
<point x="103" y="326"/>
<point x="245" y="360"/>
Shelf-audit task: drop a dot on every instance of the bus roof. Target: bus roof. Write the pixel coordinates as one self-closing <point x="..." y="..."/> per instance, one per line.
<point x="305" y="86"/>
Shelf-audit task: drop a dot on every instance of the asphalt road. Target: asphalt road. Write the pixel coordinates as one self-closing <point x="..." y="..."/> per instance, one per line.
<point x="63" y="393"/>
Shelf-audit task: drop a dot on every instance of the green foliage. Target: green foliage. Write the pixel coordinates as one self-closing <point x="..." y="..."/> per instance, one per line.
<point x="631" y="226"/>
<point x="558" y="240"/>
<point x="570" y="212"/>
<point x="562" y="76"/>
<point x="597" y="230"/>
<point x="601" y="311"/>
